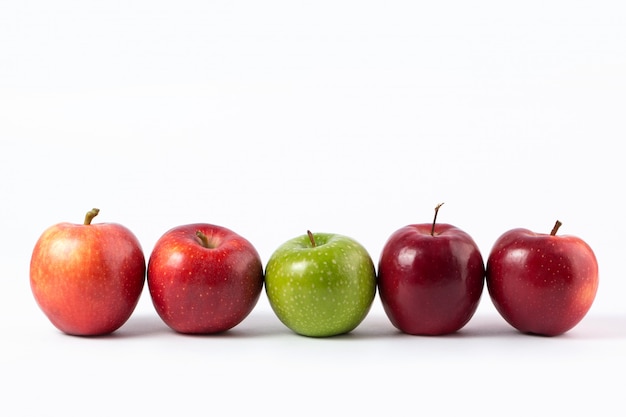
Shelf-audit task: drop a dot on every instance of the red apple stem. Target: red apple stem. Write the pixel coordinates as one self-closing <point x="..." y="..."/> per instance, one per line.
<point x="204" y="241"/>
<point x="311" y="238"/>
<point x="432" y="231"/>
<point x="555" y="228"/>
<point x="90" y="215"/>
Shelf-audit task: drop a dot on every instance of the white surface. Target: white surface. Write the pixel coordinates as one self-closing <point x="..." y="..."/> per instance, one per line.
<point x="273" y="117"/>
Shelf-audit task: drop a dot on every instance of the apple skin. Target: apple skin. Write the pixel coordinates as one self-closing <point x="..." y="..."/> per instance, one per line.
<point x="87" y="278"/>
<point x="541" y="283"/>
<point x="430" y="284"/>
<point x="324" y="290"/>
<point x="204" y="290"/>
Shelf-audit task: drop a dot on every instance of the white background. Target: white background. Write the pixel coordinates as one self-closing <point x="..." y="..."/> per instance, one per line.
<point x="272" y="117"/>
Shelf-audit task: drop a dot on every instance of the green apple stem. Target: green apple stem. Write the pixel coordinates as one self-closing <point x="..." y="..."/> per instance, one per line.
<point x="90" y="215"/>
<point x="204" y="241"/>
<point x="555" y="228"/>
<point x="432" y="231"/>
<point x="311" y="238"/>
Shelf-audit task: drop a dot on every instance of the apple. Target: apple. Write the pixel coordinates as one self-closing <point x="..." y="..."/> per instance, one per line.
<point x="87" y="278"/>
<point x="430" y="278"/>
<point x="542" y="283"/>
<point x="204" y="278"/>
<point x="320" y="284"/>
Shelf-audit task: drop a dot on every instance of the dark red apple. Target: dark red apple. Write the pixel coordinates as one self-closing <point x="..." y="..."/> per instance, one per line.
<point x="542" y="283"/>
<point x="87" y="278"/>
<point x="204" y="278"/>
<point x="430" y="278"/>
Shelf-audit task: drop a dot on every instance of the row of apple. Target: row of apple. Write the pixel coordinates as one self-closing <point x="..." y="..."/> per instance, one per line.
<point x="202" y="278"/>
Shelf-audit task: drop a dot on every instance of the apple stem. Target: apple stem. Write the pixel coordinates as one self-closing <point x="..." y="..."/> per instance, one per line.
<point x="555" y="228"/>
<point x="432" y="231"/>
<point x="311" y="238"/>
<point x="204" y="241"/>
<point x="90" y="215"/>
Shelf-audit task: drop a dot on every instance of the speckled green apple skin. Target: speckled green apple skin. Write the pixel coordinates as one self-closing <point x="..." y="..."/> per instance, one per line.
<point x="324" y="290"/>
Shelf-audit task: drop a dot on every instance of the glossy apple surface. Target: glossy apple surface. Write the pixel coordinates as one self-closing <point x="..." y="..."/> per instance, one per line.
<point x="322" y="290"/>
<point x="87" y="278"/>
<point x="204" y="278"/>
<point x="542" y="283"/>
<point x="430" y="280"/>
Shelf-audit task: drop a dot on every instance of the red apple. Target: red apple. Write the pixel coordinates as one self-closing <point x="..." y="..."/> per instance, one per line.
<point x="430" y="278"/>
<point x="542" y="283"/>
<point x="87" y="278"/>
<point x="204" y="278"/>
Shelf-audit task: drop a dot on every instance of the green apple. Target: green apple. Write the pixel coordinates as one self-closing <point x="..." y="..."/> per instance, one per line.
<point x="320" y="284"/>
